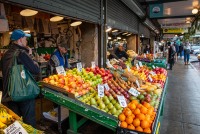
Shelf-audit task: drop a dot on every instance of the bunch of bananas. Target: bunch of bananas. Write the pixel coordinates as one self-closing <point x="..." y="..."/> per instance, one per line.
<point x="30" y="129"/>
<point x="5" y="118"/>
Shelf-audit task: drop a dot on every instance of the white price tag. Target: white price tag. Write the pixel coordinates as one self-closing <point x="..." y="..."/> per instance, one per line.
<point x="101" y="90"/>
<point x="93" y="64"/>
<point x="15" y="128"/>
<point x="79" y="66"/>
<point x="134" y="92"/>
<point x="0" y="96"/>
<point x="153" y="67"/>
<point x="128" y="68"/>
<point x="106" y="86"/>
<point x="145" y="56"/>
<point x="150" y="78"/>
<point x="61" y="70"/>
<point x="137" y="66"/>
<point x="140" y="64"/>
<point x="152" y="72"/>
<point x="122" y="101"/>
<point x="138" y="84"/>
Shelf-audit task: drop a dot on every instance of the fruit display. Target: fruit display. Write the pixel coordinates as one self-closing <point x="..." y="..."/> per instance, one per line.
<point x="5" y="118"/>
<point x="107" y="103"/>
<point x="132" y="54"/>
<point x="145" y="57"/>
<point x="29" y="129"/>
<point x="137" y="116"/>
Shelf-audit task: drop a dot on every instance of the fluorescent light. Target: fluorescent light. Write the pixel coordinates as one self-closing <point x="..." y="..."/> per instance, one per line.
<point x="124" y="33"/>
<point x="56" y="18"/>
<point x="119" y="38"/>
<point x="76" y="23"/>
<point x="109" y="38"/>
<point x="108" y="29"/>
<point x="115" y="30"/>
<point x="194" y="11"/>
<point x="28" y="12"/>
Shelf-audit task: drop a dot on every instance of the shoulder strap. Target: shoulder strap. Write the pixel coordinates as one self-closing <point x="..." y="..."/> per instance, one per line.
<point x="14" y="59"/>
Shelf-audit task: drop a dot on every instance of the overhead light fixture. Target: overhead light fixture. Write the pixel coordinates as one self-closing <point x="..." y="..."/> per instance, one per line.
<point x="115" y="30"/>
<point x="56" y="18"/>
<point x="27" y="31"/>
<point x="142" y="36"/>
<point x="124" y="33"/>
<point x="109" y="38"/>
<point x="128" y="34"/>
<point x="108" y="29"/>
<point x="28" y="12"/>
<point x="115" y="40"/>
<point x="187" y="21"/>
<point x="119" y="38"/>
<point x="76" y="23"/>
<point x="195" y="11"/>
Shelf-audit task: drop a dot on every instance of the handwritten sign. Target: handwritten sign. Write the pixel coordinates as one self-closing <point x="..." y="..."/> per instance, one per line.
<point x="61" y="70"/>
<point x="121" y="100"/>
<point x="134" y="92"/>
<point x="138" y="84"/>
<point x="106" y="86"/>
<point x="15" y="128"/>
<point x="93" y="64"/>
<point x="79" y="66"/>
<point x="100" y="90"/>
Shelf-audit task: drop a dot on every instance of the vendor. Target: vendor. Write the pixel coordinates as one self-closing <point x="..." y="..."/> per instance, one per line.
<point x="111" y="55"/>
<point x="120" y="53"/>
<point x="59" y="57"/>
<point x="147" y="49"/>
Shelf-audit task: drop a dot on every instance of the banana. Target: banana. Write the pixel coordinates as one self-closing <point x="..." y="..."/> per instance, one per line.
<point x="2" y="125"/>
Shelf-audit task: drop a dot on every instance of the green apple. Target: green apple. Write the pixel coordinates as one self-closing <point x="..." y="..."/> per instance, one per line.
<point x="106" y="109"/>
<point x="98" y="76"/>
<point x="117" y="106"/>
<point x="102" y="105"/>
<point x="106" y="101"/>
<point x="113" y="101"/>
<point x="110" y="106"/>
<point x="114" y="111"/>
<point x="93" y="101"/>
<point x="110" y="98"/>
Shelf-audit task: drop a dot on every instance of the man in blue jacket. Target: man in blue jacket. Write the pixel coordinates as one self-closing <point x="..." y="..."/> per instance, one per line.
<point x="59" y="57"/>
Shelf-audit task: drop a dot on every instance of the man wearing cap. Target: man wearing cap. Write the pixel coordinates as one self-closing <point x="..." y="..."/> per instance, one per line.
<point x="59" y="57"/>
<point x="26" y="109"/>
<point x="120" y="53"/>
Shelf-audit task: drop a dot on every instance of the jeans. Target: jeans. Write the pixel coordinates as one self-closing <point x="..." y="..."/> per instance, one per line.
<point x="186" y="57"/>
<point x="181" y="53"/>
<point x="26" y="109"/>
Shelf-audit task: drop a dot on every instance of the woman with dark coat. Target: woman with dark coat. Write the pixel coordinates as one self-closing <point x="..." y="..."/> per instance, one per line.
<point x="171" y="54"/>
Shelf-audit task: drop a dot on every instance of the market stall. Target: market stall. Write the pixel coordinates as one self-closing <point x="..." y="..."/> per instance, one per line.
<point x="103" y="95"/>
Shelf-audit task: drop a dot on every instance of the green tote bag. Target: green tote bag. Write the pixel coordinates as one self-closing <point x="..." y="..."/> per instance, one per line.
<point x="21" y="84"/>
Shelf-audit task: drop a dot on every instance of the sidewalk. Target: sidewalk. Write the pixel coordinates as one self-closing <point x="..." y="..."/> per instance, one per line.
<point x="181" y="111"/>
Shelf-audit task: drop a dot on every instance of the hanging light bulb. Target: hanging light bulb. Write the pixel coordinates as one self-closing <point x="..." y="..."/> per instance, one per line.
<point x="56" y="18"/>
<point x="28" y="12"/>
<point x="108" y="29"/>
<point x="76" y="23"/>
<point x="115" y="31"/>
<point x="195" y="11"/>
<point x="109" y="38"/>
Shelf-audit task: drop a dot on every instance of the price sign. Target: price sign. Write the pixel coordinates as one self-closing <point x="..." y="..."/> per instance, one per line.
<point x="128" y="68"/>
<point x="15" y="128"/>
<point x="134" y="92"/>
<point x="145" y="56"/>
<point x="93" y="64"/>
<point x="100" y="90"/>
<point x="152" y="73"/>
<point x="79" y="66"/>
<point x="106" y="86"/>
<point x="61" y="70"/>
<point x="150" y="78"/>
<point x="138" y="84"/>
<point x="121" y="100"/>
<point x="140" y="64"/>
<point x="153" y="67"/>
<point x="137" y="66"/>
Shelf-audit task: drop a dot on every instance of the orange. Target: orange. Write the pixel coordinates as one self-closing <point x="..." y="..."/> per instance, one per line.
<point x="144" y="124"/>
<point x="129" y="120"/>
<point x="149" y="111"/>
<point x="135" y="102"/>
<point x="139" y="105"/>
<point x="125" y="109"/>
<point x="140" y="116"/>
<point x="139" y="129"/>
<point x="131" y="127"/>
<point x="147" y="130"/>
<point x="147" y="105"/>
<point x="136" y="122"/>
<point x="133" y="116"/>
<point x="136" y="111"/>
<point x="122" y="117"/>
<point x="132" y="106"/>
<point x="143" y="110"/>
<point x="128" y="112"/>
<point x="123" y="124"/>
<point x="148" y="118"/>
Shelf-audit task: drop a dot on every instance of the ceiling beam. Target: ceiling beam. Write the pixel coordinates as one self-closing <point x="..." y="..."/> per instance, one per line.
<point x="171" y="17"/>
<point x="160" y="1"/>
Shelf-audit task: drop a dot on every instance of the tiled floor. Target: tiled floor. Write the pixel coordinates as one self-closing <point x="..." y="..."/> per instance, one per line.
<point x="181" y="110"/>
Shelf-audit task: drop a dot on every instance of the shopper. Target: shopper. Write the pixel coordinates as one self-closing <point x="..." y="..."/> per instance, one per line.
<point x="26" y="109"/>
<point x="171" y="54"/>
<point x="181" y="50"/>
<point x="187" y="49"/>
<point x="176" y="45"/>
<point x="147" y="49"/>
<point x="120" y="53"/>
<point x="59" y="57"/>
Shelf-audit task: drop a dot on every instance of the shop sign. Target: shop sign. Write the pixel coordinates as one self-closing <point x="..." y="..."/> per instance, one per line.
<point x="156" y="10"/>
<point x="168" y="36"/>
<point x="175" y="25"/>
<point x="175" y="30"/>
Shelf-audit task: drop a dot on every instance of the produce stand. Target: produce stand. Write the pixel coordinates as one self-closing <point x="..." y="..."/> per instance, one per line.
<point x="88" y="112"/>
<point x="76" y="107"/>
<point x="159" y="116"/>
<point x="156" y="63"/>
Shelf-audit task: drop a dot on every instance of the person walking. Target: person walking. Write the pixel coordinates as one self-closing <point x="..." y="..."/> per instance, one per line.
<point x="181" y="50"/>
<point x="26" y="109"/>
<point x="171" y="54"/>
<point x="187" y="49"/>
